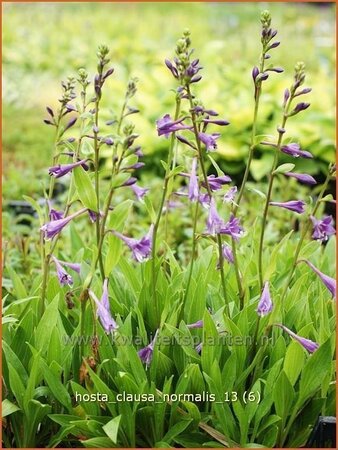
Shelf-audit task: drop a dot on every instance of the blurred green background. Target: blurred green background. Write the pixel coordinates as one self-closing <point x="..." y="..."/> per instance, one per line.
<point x="45" y="42"/>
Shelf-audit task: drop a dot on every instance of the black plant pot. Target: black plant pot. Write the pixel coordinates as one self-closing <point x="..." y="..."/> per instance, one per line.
<point x="323" y="434"/>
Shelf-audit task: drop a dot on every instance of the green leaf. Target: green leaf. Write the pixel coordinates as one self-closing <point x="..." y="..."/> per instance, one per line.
<point x="315" y="370"/>
<point x="285" y="168"/>
<point x="85" y="189"/>
<point x="19" y="288"/>
<point x="111" y="428"/>
<point x="8" y="408"/>
<point x="283" y="396"/>
<point x="294" y="361"/>
<point x="118" y="217"/>
<point x="176" y="429"/>
<point x="97" y="442"/>
<point x="56" y="386"/>
<point x="47" y="322"/>
<point x="87" y="149"/>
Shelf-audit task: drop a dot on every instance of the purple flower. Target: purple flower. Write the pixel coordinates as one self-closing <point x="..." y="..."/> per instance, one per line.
<point x="209" y="140"/>
<point x="198" y="324"/>
<point x="53" y="213"/>
<point x="64" y="277"/>
<point x="230" y="195"/>
<point x="139" y="191"/>
<point x="167" y="125"/>
<point x="300" y="107"/>
<point x="293" y="205"/>
<point x="329" y="282"/>
<point x="294" y="150"/>
<point x="232" y="228"/>
<point x="52" y="228"/>
<point x="60" y="170"/>
<point x="204" y="200"/>
<point x="193" y="192"/>
<point x="265" y="304"/>
<point x="227" y="255"/>
<point x="141" y="248"/>
<point x="93" y="215"/>
<point x="214" y="221"/>
<point x="171" y="67"/>
<point x="74" y="266"/>
<point x="309" y="345"/>
<point x="103" y="309"/>
<point x="146" y="353"/>
<point x="322" y="228"/>
<point x="216" y="183"/>
<point x="302" y="177"/>
<point x="185" y="141"/>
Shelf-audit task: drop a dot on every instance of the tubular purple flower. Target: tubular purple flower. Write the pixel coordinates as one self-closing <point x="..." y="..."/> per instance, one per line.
<point x="193" y="191"/>
<point x="60" y="170"/>
<point x="204" y="200"/>
<point x="297" y="206"/>
<point x="93" y="215"/>
<point x="329" y="282"/>
<point x="323" y="228"/>
<point x="254" y="73"/>
<point x="294" y="150"/>
<point x="230" y="195"/>
<point x="146" y="353"/>
<point x="139" y="191"/>
<point x="74" y="266"/>
<point x="141" y="248"/>
<point x="171" y="67"/>
<point x="232" y="228"/>
<point x="64" y="277"/>
<point x="216" y="183"/>
<point x="103" y="312"/>
<point x="214" y="221"/>
<point x="302" y="177"/>
<point x="198" y="324"/>
<point x="167" y="125"/>
<point x="53" y="213"/>
<point x="300" y="107"/>
<point x="227" y="255"/>
<point x="209" y="140"/>
<point x="52" y="228"/>
<point x="265" y="303"/>
<point x="309" y="345"/>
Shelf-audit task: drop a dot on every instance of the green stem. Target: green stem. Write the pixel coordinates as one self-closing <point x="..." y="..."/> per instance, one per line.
<point x="160" y="209"/>
<point x="241" y="290"/>
<point x="193" y="251"/>
<point x="205" y="178"/>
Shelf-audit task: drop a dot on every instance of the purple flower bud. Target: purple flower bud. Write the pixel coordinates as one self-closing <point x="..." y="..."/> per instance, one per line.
<point x="209" y="140"/>
<point x="265" y="303"/>
<point x="171" y="67"/>
<point x="323" y="228"/>
<point x="293" y="205"/>
<point x="302" y="177"/>
<point x="108" y="141"/>
<point x="276" y="69"/>
<point x="286" y="96"/>
<point x="138" y="152"/>
<point x="59" y="170"/>
<point x="185" y="141"/>
<point x="95" y="129"/>
<point x="108" y="73"/>
<point x="255" y="72"/>
<point x="139" y="191"/>
<point x="309" y="345"/>
<point x="71" y="123"/>
<point x="294" y="150"/>
<point x="50" y="111"/>
<point x="303" y="91"/>
<point x="216" y="122"/>
<point x="69" y="107"/>
<point x="262" y="77"/>
<point x="300" y="107"/>
<point x="93" y="215"/>
<point x="193" y="192"/>
<point x="329" y="282"/>
<point x="199" y="347"/>
<point x="54" y="227"/>
<point x="130" y="181"/>
<point x="198" y="324"/>
<point x="48" y="122"/>
<point x="273" y="45"/>
<point x="141" y="248"/>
